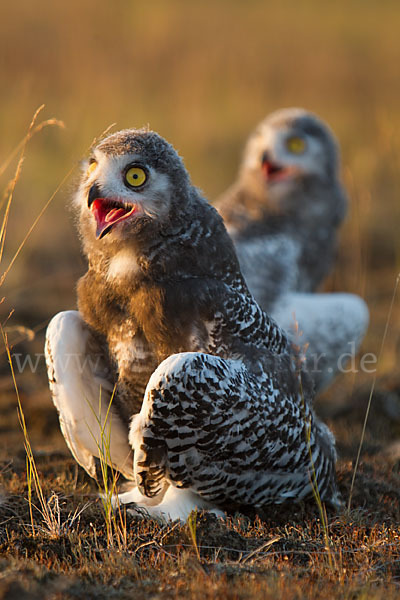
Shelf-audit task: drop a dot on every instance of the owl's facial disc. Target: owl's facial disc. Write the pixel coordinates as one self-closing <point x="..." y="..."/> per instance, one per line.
<point x="109" y="211"/>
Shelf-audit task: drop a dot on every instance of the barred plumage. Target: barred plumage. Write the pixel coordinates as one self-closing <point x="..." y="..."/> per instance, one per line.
<point x="205" y="418"/>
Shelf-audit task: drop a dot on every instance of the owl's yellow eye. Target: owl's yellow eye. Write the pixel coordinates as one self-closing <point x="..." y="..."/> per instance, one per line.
<point x="296" y="145"/>
<point x="135" y="176"/>
<point x="91" y="167"/>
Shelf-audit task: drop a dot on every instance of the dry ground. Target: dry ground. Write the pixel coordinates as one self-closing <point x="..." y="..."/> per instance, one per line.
<point x="282" y="552"/>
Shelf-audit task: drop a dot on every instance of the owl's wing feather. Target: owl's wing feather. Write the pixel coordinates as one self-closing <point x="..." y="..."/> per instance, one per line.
<point x="330" y="328"/>
<point x="209" y="425"/>
<point x="82" y="394"/>
<point x="237" y="324"/>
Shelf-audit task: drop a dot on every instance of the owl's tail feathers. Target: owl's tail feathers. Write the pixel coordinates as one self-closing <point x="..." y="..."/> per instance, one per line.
<point x="82" y="394"/>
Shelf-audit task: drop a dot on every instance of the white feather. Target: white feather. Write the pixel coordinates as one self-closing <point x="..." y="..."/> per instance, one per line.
<point x="332" y="325"/>
<point x="122" y="265"/>
<point x="176" y="504"/>
<point x="82" y="397"/>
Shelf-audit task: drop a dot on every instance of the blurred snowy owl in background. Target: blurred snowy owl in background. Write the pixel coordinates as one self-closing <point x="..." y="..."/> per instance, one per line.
<point x="283" y="214"/>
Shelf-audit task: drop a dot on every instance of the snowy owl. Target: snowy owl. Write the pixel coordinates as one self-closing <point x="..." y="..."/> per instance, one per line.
<point x="283" y="213"/>
<point x="197" y="390"/>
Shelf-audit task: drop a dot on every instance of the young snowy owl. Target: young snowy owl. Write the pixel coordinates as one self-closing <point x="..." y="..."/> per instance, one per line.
<point x="283" y="214"/>
<point x="204" y="380"/>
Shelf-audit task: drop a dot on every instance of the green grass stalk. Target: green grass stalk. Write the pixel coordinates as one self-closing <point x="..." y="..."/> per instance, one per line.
<point x="192" y="525"/>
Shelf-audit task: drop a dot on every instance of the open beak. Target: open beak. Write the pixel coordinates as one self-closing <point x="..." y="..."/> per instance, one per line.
<point x="273" y="171"/>
<point x="108" y="211"/>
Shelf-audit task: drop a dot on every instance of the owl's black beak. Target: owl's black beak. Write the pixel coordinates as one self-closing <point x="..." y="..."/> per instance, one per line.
<point x="94" y="193"/>
<point x="265" y="158"/>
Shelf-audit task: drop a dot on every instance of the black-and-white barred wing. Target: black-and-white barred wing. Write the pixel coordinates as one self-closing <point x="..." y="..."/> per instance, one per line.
<point x="246" y="320"/>
<point x="236" y="324"/>
<point x="209" y="425"/>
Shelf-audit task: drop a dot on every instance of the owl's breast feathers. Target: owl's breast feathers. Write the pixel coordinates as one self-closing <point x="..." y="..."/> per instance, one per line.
<point x="182" y="298"/>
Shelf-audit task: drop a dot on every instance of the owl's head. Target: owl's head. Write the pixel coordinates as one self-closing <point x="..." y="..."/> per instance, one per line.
<point x="288" y="151"/>
<point x="133" y="178"/>
<point x="140" y="214"/>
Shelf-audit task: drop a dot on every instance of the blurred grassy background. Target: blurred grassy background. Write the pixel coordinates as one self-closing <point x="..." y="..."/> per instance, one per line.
<point x="202" y="74"/>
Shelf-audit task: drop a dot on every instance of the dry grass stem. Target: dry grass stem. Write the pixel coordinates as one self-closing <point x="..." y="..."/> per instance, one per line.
<point x="385" y="332"/>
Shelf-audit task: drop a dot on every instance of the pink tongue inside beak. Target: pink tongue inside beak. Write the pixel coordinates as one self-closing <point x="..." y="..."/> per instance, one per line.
<point x="107" y="215"/>
<point x="114" y="215"/>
